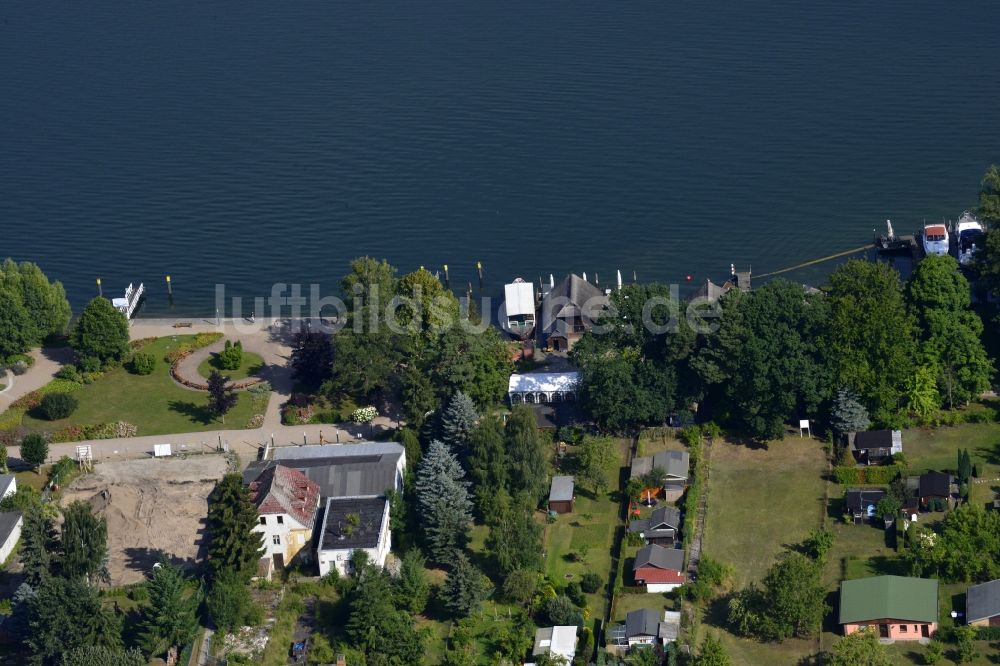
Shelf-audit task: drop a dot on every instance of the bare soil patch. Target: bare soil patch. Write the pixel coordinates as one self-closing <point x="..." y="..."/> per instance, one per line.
<point x="155" y="508"/>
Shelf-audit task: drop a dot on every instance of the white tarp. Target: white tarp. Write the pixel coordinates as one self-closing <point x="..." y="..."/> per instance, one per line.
<point x="519" y="299"/>
<point x="543" y="382"/>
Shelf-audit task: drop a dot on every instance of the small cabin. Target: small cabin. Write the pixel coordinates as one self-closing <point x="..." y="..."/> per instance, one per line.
<point x="876" y="447"/>
<point x="561" y="499"/>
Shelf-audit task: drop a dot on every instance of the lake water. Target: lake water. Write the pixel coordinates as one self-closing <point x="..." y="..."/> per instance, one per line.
<point x="255" y="142"/>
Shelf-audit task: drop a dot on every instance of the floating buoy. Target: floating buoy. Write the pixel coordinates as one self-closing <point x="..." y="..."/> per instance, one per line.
<point x="688" y="278"/>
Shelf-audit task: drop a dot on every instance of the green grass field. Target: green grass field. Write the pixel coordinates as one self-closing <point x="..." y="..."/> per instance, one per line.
<point x="251" y="365"/>
<point x="937" y="449"/>
<point x="154" y="403"/>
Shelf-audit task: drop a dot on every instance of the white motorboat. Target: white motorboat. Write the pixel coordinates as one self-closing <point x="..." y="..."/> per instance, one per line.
<point x="935" y="239"/>
<point x="969" y="237"/>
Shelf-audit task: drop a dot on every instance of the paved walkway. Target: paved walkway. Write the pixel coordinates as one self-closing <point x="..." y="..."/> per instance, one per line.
<point x="47" y="364"/>
<point x="270" y="339"/>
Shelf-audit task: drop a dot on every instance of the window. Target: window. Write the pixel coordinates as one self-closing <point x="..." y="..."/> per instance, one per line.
<point x="263" y="520"/>
<point x="903" y="628"/>
<point x="276" y="539"/>
<point x="281" y="520"/>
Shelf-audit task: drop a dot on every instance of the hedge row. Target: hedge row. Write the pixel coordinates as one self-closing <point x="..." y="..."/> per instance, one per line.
<point x="874" y="476"/>
<point x="988" y="633"/>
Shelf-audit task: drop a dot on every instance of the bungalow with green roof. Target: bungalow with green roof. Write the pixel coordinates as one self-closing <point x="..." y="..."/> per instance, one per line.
<point x="899" y="608"/>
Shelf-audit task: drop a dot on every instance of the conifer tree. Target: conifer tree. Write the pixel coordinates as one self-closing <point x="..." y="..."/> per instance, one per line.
<point x="443" y="502"/>
<point x="221" y="396"/>
<point x="412" y="587"/>
<point x="171" y="616"/>
<point x="38" y="545"/>
<point x="487" y="463"/>
<point x="458" y="421"/>
<point x="84" y="543"/>
<point x="848" y="414"/>
<point x="465" y="588"/>
<point x="234" y="546"/>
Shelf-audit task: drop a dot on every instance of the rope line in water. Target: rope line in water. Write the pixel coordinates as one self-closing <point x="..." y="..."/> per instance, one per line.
<point x="816" y="261"/>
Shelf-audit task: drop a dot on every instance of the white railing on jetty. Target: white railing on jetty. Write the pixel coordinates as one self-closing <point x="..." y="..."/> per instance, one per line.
<point x="128" y="304"/>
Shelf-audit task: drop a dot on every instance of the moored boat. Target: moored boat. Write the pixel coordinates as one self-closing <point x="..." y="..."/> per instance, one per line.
<point x="935" y="239"/>
<point x="517" y="316"/>
<point x="969" y="237"/>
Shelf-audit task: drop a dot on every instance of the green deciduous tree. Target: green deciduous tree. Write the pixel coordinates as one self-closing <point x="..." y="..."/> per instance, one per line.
<point x="443" y="502"/>
<point x="67" y="614"/>
<point x="789" y="602"/>
<point x="84" y="541"/>
<point x="515" y="538"/>
<point x="171" y="617"/>
<point x="28" y="299"/>
<point x="520" y="586"/>
<point x="465" y="588"/>
<point x="870" y="338"/>
<point x="419" y="397"/>
<point x="478" y="364"/>
<point x="862" y="648"/>
<point x="58" y="405"/>
<point x="487" y="463"/>
<point x="560" y="610"/>
<point x="596" y="457"/>
<point x="989" y="196"/>
<point x="712" y="653"/>
<point x="764" y="365"/>
<point x="229" y="603"/>
<point x="221" y="396"/>
<point x="101" y="332"/>
<point x="363" y="362"/>
<point x="17" y="333"/>
<point x="312" y="358"/>
<point x="921" y="391"/>
<point x="233" y="546"/>
<point x="527" y="470"/>
<point x="34" y="449"/>
<point x="412" y="586"/>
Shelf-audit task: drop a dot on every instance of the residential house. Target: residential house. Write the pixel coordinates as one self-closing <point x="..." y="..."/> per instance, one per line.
<point x="286" y="503"/>
<point x="876" y="447"/>
<point x="561" y="498"/>
<point x="569" y="310"/>
<point x="350" y="524"/>
<point x="936" y="486"/>
<point x="662" y="527"/>
<point x="860" y="503"/>
<point x="647" y="626"/>
<point x="659" y="569"/>
<point x="8" y="485"/>
<point x="982" y="604"/>
<point x="543" y="387"/>
<point x="555" y="641"/>
<point x="674" y="466"/>
<point x="899" y="608"/>
<point x="10" y="532"/>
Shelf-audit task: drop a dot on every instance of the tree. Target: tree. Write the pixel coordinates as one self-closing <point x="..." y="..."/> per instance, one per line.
<point x="141" y="363"/>
<point x="964" y="465"/>
<point x="520" y="586"/>
<point x="465" y="588"/>
<point x="818" y="543"/>
<point x="367" y="289"/>
<point x="965" y="637"/>
<point x="888" y="507"/>
<point x="870" y="338"/>
<point x="58" y="405"/>
<point x="596" y="457"/>
<point x="221" y="396"/>
<point x="67" y="614"/>
<point x="412" y="587"/>
<point x="17" y="334"/>
<point x="458" y="421"/>
<point x="527" y="469"/>
<point x="443" y="502"/>
<point x="95" y="655"/>
<point x="764" y="365"/>
<point x="861" y="648"/>
<point x="101" y="332"/>
<point x="989" y="197"/>
<point x="363" y="362"/>
<point x="38" y="545"/>
<point x="922" y="392"/>
<point x="375" y="626"/>
<point x="419" y="398"/>
<point x="487" y="463"/>
<point x="848" y="414"/>
<point x="643" y="655"/>
<point x="790" y="601"/>
<point x="967" y="548"/>
<point x="478" y="364"/>
<point x="171" y="617"/>
<point x="3" y="458"/>
<point x="515" y="538"/>
<point x="712" y="653"/>
<point x="425" y="305"/>
<point x="229" y="603"/>
<point x="84" y="542"/>
<point x="231" y="356"/>
<point x="34" y="449"/>
<point x="561" y="611"/>
<point x="312" y="358"/>
<point x="234" y="545"/>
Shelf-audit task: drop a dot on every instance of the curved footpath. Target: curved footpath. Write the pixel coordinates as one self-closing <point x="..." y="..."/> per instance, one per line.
<point x="270" y="339"/>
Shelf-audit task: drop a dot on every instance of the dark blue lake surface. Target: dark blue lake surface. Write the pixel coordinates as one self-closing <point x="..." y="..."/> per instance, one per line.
<point x="255" y="142"/>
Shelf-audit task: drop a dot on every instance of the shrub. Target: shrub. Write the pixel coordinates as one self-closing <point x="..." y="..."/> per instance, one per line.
<point x="34" y="449"/>
<point x="590" y="582"/>
<point x="90" y="364"/>
<point x="142" y="363"/>
<point x="57" y="406"/>
<point x="69" y="373"/>
<point x="231" y="358"/>
<point x="19" y="367"/>
<point x="575" y="594"/>
<point x="205" y="339"/>
<point x="61" y="470"/>
<point x="988" y="633"/>
<point x="364" y="414"/>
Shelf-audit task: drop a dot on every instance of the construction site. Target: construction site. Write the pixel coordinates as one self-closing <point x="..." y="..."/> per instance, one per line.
<point x="155" y="509"/>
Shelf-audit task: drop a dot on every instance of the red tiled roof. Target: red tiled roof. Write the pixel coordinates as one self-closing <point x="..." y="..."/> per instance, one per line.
<point x="280" y="489"/>
<point x="646" y="575"/>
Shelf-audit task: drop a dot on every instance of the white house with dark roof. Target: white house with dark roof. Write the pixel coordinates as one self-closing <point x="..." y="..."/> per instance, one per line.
<point x="649" y="627"/>
<point x="350" y="524"/>
<point x="10" y="532"/>
<point x="8" y="485"/>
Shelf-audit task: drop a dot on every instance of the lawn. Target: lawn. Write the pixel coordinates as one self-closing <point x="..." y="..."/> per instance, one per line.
<point x="154" y="403"/>
<point x="583" y="541"/>
<point x="937" y="449"/>
<point x="251" y="365"/>
<point x="759" y="501"/>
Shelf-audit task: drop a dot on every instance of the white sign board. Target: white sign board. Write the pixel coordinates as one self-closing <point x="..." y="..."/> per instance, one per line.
<point x="160" y="450"/>
<point x="803" y="423"/>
